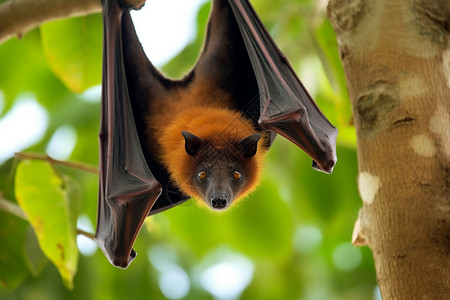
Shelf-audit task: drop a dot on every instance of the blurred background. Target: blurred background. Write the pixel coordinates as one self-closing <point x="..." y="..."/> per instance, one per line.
<point x="288" y="240"/>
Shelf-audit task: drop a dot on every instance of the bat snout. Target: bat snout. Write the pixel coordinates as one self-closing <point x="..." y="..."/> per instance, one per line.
<point x="219" y="202"/>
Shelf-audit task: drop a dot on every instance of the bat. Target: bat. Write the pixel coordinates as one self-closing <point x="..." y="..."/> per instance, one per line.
<point x="163" y="141"/>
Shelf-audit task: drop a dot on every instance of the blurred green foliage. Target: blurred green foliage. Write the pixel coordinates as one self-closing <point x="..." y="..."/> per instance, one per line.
<point x="291" y="237"/>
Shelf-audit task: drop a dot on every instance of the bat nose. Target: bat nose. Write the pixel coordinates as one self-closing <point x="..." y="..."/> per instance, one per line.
<point x="219" y="202"/>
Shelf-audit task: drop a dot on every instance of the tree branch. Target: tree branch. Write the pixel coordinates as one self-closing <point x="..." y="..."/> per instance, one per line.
<point x="19" y="16"/>
<point x="51" y="160"/>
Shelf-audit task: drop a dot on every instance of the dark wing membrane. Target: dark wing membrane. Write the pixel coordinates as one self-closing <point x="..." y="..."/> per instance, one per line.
<point x="286" y="107"/>
<point x="128" y="189"/>
<point x="224" y="62"/>
<point x="145" y="83"/>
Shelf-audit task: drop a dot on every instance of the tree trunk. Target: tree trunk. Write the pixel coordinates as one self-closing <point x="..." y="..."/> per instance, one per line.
<point x="396" y="58"/>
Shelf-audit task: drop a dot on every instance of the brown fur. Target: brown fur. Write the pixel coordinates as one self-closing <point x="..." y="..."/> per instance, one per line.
<point x="208" y="114"/>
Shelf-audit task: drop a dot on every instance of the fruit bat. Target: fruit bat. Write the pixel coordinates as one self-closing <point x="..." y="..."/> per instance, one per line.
<point x="163" y="141"/>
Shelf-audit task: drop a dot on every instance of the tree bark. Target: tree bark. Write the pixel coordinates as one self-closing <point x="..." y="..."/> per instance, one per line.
<point x="396" y="58"/>
<point x="19" y="16"/>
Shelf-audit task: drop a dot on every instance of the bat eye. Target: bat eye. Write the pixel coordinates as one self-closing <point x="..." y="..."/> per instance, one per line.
<point x="202" y="175"/>
<point x="237" y="175"/>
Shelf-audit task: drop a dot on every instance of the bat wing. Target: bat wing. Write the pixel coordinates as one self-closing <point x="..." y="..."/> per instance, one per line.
<point x="128" y="189"/>
<point x="145" y="84"/>
<point x="240" y="58"/>
<point x="285" y="105"/>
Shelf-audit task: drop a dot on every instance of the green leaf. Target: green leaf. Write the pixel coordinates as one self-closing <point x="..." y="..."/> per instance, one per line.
<point x="73" y="49"/>
<point x="7" y="173"/>
<point x="13" y="268"/>
<point x="47" y="200"/>
<point x="35" y="259"/>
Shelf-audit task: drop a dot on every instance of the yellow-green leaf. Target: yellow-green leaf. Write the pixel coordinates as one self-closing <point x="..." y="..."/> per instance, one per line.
<point x="73" y="50"/>
<point x="47" y="200"/>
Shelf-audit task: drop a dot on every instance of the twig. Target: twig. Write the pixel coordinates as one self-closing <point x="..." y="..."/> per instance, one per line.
<point x="15" y="210"/>
<point x="86" y="234"/>
<point x="12" y="208"/>
<point x="51" y="160"/>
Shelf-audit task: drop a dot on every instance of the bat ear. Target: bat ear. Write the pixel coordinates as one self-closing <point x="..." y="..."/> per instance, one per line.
<point x="249" y="145"/>
<point x="192" y="143"/>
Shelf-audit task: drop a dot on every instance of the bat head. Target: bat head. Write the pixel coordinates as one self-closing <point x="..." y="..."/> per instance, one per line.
<point x="220" y="175"/>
